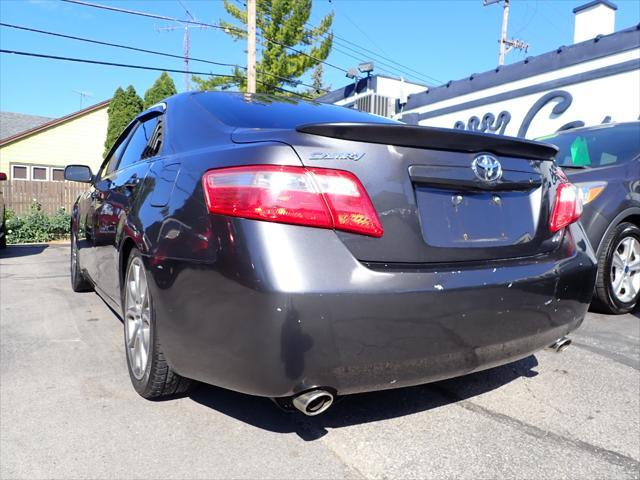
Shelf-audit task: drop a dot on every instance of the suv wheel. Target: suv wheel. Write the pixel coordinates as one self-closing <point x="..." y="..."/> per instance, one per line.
<point x="150" y="374"/>
<point x="618" y="283"/>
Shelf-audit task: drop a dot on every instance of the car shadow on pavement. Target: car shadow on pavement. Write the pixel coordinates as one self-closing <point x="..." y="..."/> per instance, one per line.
<point x="13" y="251"/>
<point x="361" y="408"/>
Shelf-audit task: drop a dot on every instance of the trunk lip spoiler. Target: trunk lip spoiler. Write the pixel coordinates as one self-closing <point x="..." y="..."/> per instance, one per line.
<point x="433" y="138"/>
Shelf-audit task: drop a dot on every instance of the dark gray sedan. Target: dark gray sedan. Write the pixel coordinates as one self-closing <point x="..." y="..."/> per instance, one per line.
<point x="300" y="251"/>
<point x="604" y="163"/>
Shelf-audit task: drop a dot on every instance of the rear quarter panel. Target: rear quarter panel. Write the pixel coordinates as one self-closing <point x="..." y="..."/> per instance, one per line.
<point x="619" y="200"/>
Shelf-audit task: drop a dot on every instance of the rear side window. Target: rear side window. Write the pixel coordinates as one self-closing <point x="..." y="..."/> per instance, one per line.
<point x="598" y="147"/>
<point x="110" y="166"/>
<point x="138" y="143"/>
<point x="265" y="111"/>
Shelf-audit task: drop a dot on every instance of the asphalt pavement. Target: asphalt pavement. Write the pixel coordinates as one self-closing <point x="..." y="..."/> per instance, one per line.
<point x="67" y="409"/>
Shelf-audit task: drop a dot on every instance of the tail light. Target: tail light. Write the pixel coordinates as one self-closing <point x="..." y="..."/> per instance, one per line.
<point x="567" y="208"/>
<point x="315" y="197"/>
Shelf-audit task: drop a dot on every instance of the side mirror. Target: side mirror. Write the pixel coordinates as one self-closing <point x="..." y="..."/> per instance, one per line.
<point x="3" y="176"/>
<point x="78" y="173"/>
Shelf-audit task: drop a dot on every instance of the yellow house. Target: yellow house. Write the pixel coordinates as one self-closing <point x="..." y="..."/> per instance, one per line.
<point x="42" y="152"/>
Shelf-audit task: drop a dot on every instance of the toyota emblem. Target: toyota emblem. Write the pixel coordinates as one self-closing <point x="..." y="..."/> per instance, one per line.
<point x="487" y="168"/>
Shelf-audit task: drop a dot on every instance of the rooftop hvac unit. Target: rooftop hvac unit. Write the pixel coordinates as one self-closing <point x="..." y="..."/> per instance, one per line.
<point x="376" y="104"/>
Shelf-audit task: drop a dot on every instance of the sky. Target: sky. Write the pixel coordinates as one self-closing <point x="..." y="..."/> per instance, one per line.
<point x="441" y="40"/>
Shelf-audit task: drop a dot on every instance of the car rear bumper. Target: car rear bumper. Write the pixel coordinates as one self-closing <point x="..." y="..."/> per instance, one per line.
<point x="281" y="312"/>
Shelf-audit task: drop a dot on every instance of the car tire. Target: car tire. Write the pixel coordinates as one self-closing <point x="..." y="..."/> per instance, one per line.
<point x="150" y="374"/>
<point x="618" y="282"/>
<point x="78" y="281"/>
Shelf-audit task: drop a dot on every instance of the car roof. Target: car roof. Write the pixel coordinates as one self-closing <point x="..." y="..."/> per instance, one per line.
<point x="597" y="127"/>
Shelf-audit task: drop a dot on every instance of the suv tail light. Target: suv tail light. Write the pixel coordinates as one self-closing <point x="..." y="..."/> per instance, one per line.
<point x="567" y="208"/>
<point x="315" y="197"/>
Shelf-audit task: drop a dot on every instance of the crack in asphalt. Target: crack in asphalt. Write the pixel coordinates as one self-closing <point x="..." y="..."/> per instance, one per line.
<point x="628" y="463"/>
<point x="39" y="277"/>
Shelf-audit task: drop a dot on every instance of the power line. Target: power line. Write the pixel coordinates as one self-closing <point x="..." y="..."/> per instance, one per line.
<point x="391" y="63"/>
<point x="100" y="62"/>
<point x="365" y="34"/>
<point x="128" y="65"/>
<point x="243" y="32"/>
<point x="149" y="15"/>
<point x="116" y="45"/>
<point x="394" y="70"/>
<point x="251" y="62"/>
<point x="192" y="22"/>
<point x="186" y="10"/>
<point x="366" y="56"/>
<point x="143" y="50"/>
<point x="380" y="66"/>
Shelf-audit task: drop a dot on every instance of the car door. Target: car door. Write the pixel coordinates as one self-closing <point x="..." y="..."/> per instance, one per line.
<point x="117" y="210"/>
<point x="89" y="235"/>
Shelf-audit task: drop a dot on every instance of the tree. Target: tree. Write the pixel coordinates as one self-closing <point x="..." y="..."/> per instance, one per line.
<point x="284" y="23"/>
<point x="162" y="88"/>
<point x="124" y="106"/>
<point x="318" y="87"/>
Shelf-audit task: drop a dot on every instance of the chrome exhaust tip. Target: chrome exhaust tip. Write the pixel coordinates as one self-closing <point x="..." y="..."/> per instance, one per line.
<point x="559" y="345"/>
<point x="313" y="402"/>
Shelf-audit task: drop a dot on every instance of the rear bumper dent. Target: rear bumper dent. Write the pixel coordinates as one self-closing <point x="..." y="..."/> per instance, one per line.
<point x="300" y="321"/>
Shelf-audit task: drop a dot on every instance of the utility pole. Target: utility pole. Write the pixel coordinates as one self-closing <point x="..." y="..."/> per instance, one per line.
<point x="506" y="45"/>
<point x="503" y="34"/>
<point x="251" y="46"/>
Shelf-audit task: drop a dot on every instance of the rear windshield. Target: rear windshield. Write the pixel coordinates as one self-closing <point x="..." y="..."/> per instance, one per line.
<point x="265" y="111"/>
<point x="598" y="147"/>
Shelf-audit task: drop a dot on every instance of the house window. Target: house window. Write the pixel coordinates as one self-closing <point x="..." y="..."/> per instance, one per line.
<point x="57" y="174"/>
<point x="19" y="172"/>
<point x="39" y="173"/>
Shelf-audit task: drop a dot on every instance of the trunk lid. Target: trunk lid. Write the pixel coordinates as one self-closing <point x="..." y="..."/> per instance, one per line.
<point x="433" y="206"/>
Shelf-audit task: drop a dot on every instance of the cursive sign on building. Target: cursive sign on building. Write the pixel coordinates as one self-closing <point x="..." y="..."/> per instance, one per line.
<point x="587" y="83"/>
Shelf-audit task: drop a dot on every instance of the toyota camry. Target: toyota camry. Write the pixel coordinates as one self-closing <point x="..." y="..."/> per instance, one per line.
<point x="300" y="251"/>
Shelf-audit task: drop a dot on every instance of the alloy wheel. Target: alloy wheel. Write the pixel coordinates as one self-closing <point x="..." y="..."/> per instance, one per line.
<point x="625" y="269"/>
<point x="137" y="319"/>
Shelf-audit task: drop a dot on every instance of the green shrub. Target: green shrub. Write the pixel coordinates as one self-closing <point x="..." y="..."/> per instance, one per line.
<point x="60" y="224"/>
<point x="9" y="213"/>
<point x="37" y="226"/>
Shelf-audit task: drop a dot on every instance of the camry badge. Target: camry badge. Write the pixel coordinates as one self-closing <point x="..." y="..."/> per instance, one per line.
<point x="487" y="168"/>
<point x="355" y="156"/>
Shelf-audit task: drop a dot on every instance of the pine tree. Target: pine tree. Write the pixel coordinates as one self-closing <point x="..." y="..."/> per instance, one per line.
<point x="318" y="87"/>
<point x="283" y="21"/>
<point x="124" y="106"/>
<point x="162" y="88"/>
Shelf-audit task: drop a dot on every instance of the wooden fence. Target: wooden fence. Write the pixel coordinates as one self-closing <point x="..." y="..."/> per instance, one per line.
<point x="19" y="194"/>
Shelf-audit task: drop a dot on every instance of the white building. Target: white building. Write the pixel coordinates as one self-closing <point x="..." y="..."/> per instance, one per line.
<point x="590" y="82"/>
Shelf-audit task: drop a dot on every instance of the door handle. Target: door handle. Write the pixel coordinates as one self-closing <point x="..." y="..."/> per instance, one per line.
<point x="132" y="182"/>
